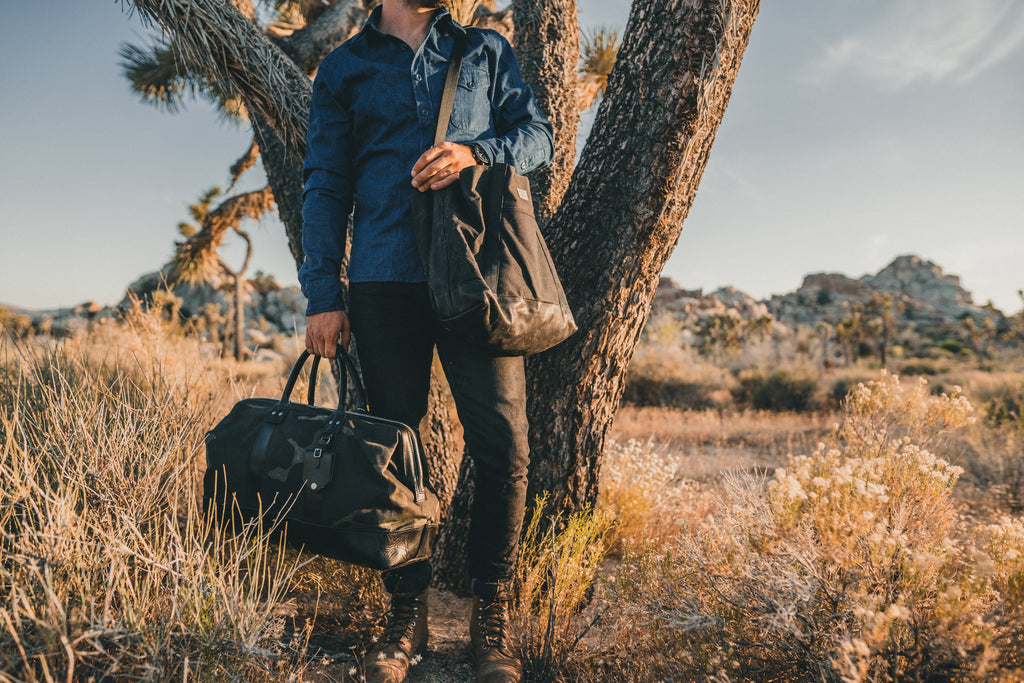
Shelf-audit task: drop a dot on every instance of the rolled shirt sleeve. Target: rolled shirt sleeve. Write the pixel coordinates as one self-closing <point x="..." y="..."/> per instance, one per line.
<point x="326" y="197"/>
<point x="524" y="137"/>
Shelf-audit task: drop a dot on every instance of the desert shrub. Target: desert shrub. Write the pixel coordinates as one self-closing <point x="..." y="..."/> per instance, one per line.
<point x="779" y="390"/>
<point x="559" y="557"/>
<point x="659" y="391"/>
<point x="661" y="375"/>
<point x="17" y="325"/>
<point x="922" y="368"/>
<point x="953" y="346"/>
<point x="1006" y="407"/>
<point x="845" y="565"/>
<point x="643" y="491"/>
<point x="109" y="567"/>
<point x="840" y="387"/>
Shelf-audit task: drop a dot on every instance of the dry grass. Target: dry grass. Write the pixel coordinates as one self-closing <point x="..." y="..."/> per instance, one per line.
<point x="644" y="489"/>
<point x="724" y="556"/>
<point x="109" y="568"/>
<point x="709" y="442"/>
<point x="559" y="558"/>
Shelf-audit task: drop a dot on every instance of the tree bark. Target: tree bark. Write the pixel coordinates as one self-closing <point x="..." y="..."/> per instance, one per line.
<point x="284" y="175"/>
<point x="620" y="220"/>
<point x="547" y="43"/>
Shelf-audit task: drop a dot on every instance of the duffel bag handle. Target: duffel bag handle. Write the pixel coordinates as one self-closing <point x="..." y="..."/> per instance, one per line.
<point x="346" y="368"/>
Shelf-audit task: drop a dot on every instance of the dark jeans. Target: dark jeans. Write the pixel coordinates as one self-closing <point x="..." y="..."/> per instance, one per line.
<point x="396" y="331"/>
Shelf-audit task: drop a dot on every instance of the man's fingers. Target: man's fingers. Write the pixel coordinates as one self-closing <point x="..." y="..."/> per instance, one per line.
<point x="436" y="169"/>
<point x="327" y="345"/>
<point x="345" y="333"/>
<point x="445" y="182"/>
<point x="427" y="157"/>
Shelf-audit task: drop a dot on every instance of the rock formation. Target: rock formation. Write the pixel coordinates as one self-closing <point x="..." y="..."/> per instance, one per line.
<point x="930" y="297"/>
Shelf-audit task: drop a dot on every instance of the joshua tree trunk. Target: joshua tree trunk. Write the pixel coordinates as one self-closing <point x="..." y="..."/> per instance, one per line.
<point x="620" y="216"/>
<point x="237" y="275"/>
<point x="548" y="48"/>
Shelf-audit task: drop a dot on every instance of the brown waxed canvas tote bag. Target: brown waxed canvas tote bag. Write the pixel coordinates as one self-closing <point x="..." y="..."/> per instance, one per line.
<point x="489" y="272"/>
<point x="348" y="484"/>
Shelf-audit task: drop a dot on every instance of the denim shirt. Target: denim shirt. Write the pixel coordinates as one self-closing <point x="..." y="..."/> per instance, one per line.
<point x="373" y="114"/>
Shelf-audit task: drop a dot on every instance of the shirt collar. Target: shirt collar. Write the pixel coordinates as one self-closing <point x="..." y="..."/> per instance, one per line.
<point x="441" y="16"/>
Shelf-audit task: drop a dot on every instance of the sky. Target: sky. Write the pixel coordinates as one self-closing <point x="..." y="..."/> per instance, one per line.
<point x="856" y="132"/>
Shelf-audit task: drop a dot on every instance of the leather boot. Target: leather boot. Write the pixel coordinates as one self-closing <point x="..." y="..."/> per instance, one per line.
<point x="404" y="639"/>
<point x="489" y="630"/>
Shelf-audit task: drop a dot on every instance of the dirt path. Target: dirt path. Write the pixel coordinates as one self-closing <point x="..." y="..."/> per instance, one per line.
<point x="448" y="658"/>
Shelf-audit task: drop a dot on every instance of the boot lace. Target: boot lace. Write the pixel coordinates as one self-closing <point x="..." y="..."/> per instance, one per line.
<point x="402" y="618"/>
<point x="493" y="620"/>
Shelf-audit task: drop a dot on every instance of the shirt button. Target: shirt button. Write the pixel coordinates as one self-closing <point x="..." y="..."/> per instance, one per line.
<point x="424" y="111"/>
<point x="522" y="164"/>
<point x="419" y="77"/>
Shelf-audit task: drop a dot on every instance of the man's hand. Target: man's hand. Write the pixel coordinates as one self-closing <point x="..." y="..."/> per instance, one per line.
<point x="439" y="166"/>
<point x="325" y="330"/>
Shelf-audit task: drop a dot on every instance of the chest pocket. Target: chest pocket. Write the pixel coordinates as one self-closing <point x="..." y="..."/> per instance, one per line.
<point x="472" y="108"/>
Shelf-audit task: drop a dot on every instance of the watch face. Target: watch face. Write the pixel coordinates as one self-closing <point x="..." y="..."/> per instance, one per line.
<point x="478" y="155"/>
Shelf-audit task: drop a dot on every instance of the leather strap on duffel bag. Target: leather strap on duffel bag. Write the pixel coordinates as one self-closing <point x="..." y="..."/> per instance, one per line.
<point x="348" y="484"/>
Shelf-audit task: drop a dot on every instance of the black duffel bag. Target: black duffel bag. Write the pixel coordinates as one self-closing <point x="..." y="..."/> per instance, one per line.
<point x="349" y="485"/>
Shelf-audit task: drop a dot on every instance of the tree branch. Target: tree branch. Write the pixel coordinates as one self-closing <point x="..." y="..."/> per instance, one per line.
<point x="314" y="41"/>
<point x="214" y="38"/>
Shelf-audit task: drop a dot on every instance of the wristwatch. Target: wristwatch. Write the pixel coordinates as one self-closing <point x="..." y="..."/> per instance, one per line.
<point x="478" y="154"/>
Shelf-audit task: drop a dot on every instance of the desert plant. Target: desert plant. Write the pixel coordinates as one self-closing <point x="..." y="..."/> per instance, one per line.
<point x="110" y="568"/>
<point x="1006" y="407"/>
<point x="642" y="489"/>
<point x="846" y="565"/>
<point x="781" y="389"/>
<point x="559" y="557"/>
<point x="598" y="49"/>
<point x="668" y="375"/>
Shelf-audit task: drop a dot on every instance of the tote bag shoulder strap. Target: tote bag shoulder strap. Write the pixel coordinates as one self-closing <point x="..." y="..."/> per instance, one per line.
<point x="451" y="81"/>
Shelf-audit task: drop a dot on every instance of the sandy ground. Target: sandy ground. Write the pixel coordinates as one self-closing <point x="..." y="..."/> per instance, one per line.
<point x="448" y="659"/>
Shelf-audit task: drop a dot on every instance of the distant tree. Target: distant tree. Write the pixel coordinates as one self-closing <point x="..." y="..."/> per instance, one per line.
<point x="196" y="260"/>
<point x="847" y="334"/>
<point x="721" y="333"/>
<point x="1015" y="323"/>
<point x="825" y="331"/>
<point x="759" y="327"/>
<point x="978" y="334"/>
<point x="884" y="312"/>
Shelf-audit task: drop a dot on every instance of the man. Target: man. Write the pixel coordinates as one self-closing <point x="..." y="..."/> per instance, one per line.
<point x="371" y="126"/>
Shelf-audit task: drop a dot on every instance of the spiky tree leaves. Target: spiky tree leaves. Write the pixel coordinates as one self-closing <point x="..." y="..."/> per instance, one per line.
<point x="217" y="41"/>
<point x="598" y="50"/>
<point x="196" y="259"/>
